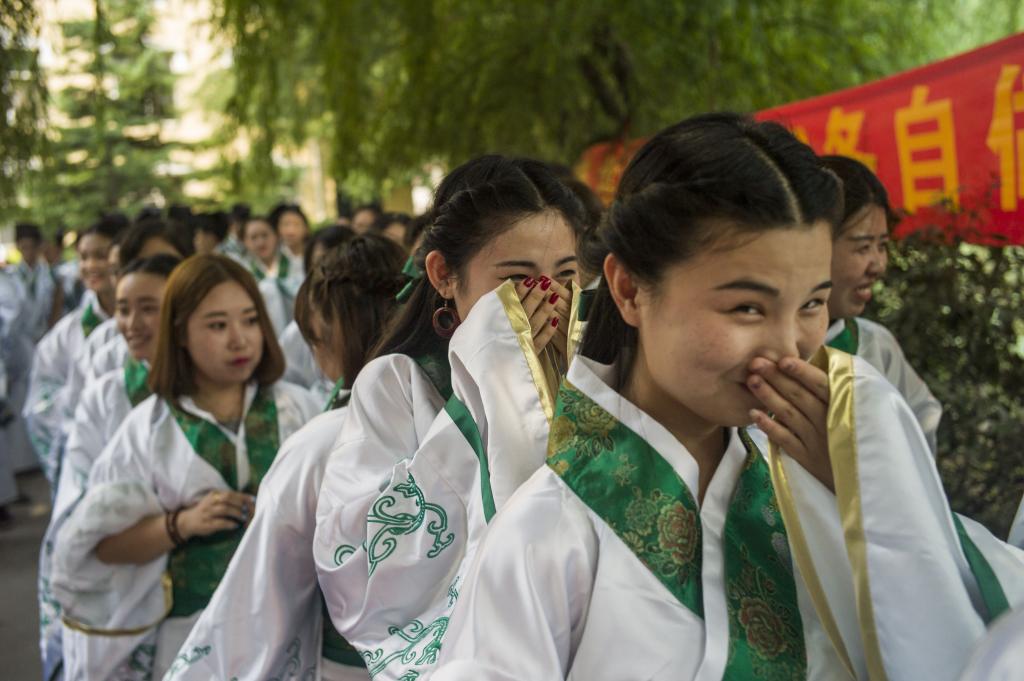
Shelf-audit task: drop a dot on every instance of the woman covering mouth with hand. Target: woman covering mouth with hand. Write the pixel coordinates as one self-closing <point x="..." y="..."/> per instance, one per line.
<point x="174" y="489"/>
<point x="859" y="259"/>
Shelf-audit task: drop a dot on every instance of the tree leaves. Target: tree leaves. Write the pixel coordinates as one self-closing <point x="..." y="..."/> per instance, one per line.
<point x="403" y="82"/>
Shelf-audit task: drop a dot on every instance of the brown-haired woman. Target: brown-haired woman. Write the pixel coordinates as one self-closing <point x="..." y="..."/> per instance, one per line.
<point x="271" y="584"/>
<point x="174" y="489"/>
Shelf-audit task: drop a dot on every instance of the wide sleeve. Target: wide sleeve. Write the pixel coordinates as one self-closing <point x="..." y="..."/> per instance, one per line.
<point x="120" y="494"/>
<point x="897" y="369"/>
<point x="392" y="407"/>
<point x="42" y="411"/>
<point x="521" y="611"/>
<point x="296" y="406"/>
<point x="884" y="546"/>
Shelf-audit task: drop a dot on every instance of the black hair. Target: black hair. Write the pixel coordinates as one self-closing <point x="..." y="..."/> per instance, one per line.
<point x="861" y="188"/>
<point x="706" y="178"/>
<point x="148" y="213"/>
<point x="355" y="284"/>
<point x="373" y="206"/>
<point x="161" y="265"/>
<point x="215" y="223"/>
<point x="474" y="204"/>
<point x="385" y="220"/>
<point x="28" y="230"/>
<point x="239" y="213"/>
<point x="110" y="226"/>
<point x="329" y="237"/>
<point x="278" y="211"/>
<point x="133" y="240"/>
<point x="413" y="230"/>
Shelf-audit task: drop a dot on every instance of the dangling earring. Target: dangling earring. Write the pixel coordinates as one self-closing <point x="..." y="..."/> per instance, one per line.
<point x="446" y="320"/>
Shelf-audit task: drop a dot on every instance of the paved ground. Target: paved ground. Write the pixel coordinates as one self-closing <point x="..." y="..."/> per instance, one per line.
<point x="19" y="554"/>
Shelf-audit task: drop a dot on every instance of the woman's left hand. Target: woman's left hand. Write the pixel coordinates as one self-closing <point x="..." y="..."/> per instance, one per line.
<point x="797" y="394"/>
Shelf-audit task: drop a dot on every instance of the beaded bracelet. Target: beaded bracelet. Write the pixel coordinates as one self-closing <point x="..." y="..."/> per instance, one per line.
<point x="171" y="523"/>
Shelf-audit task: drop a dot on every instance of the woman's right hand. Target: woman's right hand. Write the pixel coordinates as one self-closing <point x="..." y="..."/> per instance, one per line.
<point x="216" y="511"/>
<point x="547" y="306"/>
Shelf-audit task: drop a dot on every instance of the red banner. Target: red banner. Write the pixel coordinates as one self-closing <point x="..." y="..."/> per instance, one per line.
<point x="950" y="131"/>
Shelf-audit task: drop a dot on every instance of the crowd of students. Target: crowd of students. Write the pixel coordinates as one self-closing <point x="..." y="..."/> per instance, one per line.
<point x="656" y="441"/>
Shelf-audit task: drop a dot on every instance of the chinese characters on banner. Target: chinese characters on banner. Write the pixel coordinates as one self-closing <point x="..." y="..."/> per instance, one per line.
<point x="952" y="130"/>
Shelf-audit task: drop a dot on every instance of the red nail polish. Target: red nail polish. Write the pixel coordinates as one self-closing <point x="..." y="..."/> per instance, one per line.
<point x="554" y="322"/>
<point x="545" y="284"/>
<point x="544" y="277"/>
<point x="554" y="298"/>
<point x="529" y="282"/>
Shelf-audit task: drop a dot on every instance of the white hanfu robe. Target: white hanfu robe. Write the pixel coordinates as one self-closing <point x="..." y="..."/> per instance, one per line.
<point x="26" y="301"/>
<point x="8" y="486"/>
<point x="103" y="406"/>
<point x="392" y="406"/>
<point x="390" y="560"/>
<point x="51" y="368"/>
<point x="266" y="618"/>
<point x="110" y="356"/>
<point x="1016" y="536"/>
<point x="81" y="366"/>
<point x="278" y="286"/>
<point x="148" y="468"/>
<point x="877" y="346"/>
<point x="555" y="585"/>
<point x="1000" y="657"/>
<point x="300" y="368"/>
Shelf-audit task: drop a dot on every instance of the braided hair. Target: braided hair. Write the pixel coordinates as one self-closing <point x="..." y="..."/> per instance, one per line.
<point x="352" y="287"/>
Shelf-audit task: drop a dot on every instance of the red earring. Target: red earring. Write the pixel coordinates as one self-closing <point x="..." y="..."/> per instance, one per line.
<point x="446" y="320"/>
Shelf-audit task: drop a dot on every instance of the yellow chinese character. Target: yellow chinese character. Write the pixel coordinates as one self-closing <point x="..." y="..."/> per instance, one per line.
<point x="938" y="142"/>
<point x="842" y="135"/>
<point x="1004" y="141"/>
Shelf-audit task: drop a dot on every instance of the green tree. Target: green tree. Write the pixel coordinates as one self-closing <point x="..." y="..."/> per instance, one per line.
<point x="397" y="83"/>
<point x="22" y="95"/>
<point x="105" y="150"/>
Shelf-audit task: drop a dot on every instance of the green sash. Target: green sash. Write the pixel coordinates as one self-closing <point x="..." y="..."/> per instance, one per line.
<point x="459" y="413"/>
<point x="439" y="374"/>
<point x="90" y="320"/>
<point x="991" y="590"/>
<point x="848" y="339"/>
<point x="638" y="494"/>
<point x="197" y="566"/>
<point x="135" y="381"/>
<point x="436" y="368"/>
<point x="336" y="400"/>
<point x="283" y="265"/>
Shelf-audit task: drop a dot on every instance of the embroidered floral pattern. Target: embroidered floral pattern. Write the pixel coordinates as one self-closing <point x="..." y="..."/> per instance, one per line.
<point x="648" y="506"/>
<point x="678" y="533"/>
<point x="642" y="499"/>
<point x="765" y="630"/>
<point x="197" y="566"/>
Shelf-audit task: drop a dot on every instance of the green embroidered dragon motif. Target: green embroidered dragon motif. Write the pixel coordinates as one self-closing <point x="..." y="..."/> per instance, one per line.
<point x="393" y="525"/>
<point x="423" y="643"/>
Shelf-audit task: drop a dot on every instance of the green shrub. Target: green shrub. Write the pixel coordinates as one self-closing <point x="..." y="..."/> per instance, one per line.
<point x="958" y="311"/>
